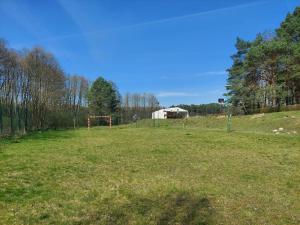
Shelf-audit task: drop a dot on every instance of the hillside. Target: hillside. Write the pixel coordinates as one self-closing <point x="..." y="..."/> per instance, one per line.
<point x="265" y="123"/>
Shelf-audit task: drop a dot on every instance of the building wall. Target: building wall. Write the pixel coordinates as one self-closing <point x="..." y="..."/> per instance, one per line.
<point x="162" y="114"/>
<point x="159" y="115"/>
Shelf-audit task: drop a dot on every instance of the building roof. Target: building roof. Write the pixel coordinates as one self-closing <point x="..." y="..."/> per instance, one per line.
<point x="173" y="109"/>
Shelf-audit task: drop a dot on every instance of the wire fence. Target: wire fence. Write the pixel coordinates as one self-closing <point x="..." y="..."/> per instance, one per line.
<point x="285" y="122"/>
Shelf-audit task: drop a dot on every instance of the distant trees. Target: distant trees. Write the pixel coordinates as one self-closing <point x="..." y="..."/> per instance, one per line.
<point x="141" y="105"/>
<point x="76" y="97"/>
<point x="266" y="72"/>
<point x="35" y="94"/>
<point x="104" y="99"/>
<point x="45" y="80"/>
<point x="203" y="109"/>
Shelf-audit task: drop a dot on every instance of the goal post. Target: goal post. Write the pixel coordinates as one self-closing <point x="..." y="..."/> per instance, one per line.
<point x="107" y="118"/>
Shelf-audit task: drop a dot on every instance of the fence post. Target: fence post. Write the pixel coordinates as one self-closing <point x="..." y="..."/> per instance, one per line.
<point x="229" y="115"/>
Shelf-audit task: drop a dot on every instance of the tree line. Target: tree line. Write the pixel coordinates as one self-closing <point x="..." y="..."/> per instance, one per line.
<point x="203" y="109"/>
<point x="265" y="73"/>
<point x="138" y="106"/>
<point x="36" y="94"/>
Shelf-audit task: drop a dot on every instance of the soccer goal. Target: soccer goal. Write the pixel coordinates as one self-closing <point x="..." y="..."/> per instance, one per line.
<point x="106" y="118"/>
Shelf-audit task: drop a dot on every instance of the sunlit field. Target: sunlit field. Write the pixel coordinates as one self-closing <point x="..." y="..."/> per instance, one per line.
<point x="177" y="172"/>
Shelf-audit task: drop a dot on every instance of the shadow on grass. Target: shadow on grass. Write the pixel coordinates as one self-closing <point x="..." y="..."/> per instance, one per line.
<point x="174" y="208"/>
<point x="49" y="135"/>
<point x="39" y="135"/>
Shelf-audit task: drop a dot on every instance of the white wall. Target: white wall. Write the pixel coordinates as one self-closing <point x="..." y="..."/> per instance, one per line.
<point x="160" y="114"/>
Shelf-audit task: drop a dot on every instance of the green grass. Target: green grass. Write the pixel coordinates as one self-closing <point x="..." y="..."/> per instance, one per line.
<point x="166" y="175"/>
<point x="252" y="123"/>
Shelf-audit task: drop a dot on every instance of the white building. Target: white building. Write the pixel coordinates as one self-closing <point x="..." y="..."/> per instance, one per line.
<point x="170" y="113"/>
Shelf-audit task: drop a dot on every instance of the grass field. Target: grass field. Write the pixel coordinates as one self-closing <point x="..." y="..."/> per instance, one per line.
<point x="199" y="174"/>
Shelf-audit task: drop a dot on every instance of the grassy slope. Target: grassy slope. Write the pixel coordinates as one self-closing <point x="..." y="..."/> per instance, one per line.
<point x="288" y="120"/>
<point x="155" y="176"/>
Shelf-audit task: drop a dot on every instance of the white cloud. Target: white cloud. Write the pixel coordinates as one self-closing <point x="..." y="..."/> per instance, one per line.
<point x="211" y="73"/>
<point x="201" y="74"/>
<point x="165" y="94"/>
<point x="175" y="94"/>
<point x="87" y="26"/>
<point x="213" y="11"/>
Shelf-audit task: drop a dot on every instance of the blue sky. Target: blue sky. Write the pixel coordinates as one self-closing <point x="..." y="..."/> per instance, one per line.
<point x="176" y="49"/>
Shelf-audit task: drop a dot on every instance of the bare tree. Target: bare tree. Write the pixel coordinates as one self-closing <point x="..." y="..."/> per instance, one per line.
<point x="76" y="94"/>
<point x="141" y="105"/>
